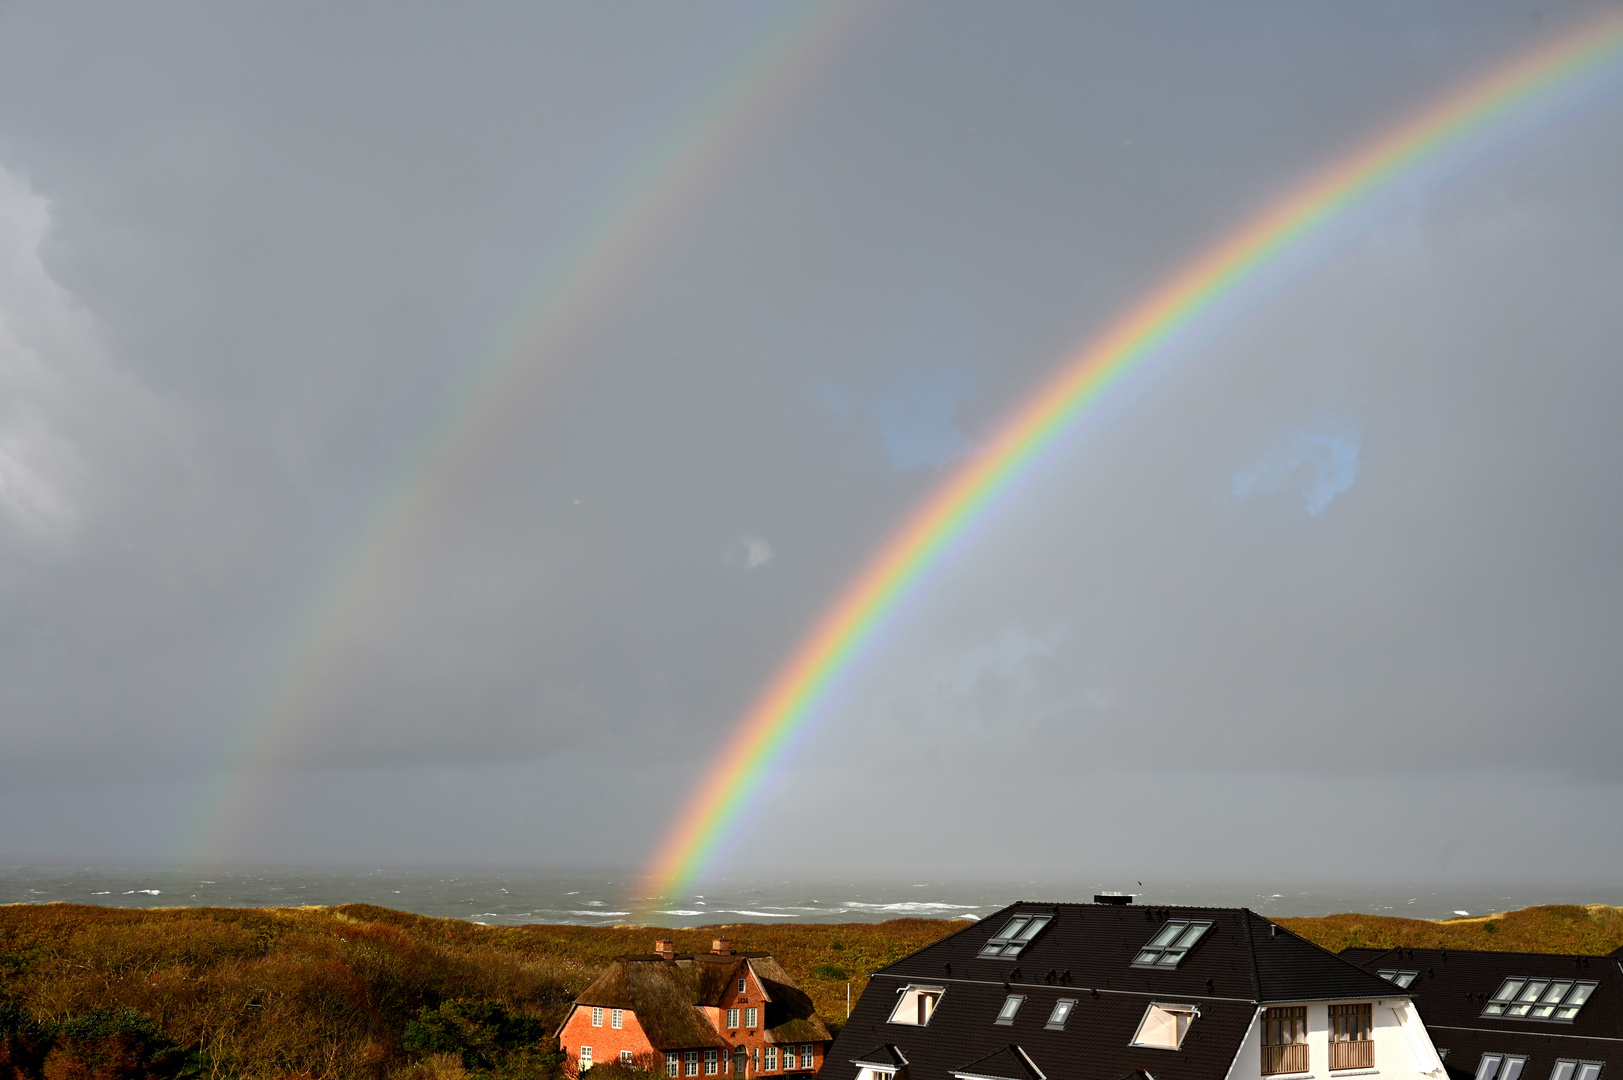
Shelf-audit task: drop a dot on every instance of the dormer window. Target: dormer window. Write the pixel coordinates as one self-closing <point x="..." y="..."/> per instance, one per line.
<point x="1402" y="978"/>
<point x="1528" y="998"/>
<point x="1171" y="943"/>
<point x="916" y="1004"/>
<point x="1016" y="935"/>
<point x="1164" y="1026"/>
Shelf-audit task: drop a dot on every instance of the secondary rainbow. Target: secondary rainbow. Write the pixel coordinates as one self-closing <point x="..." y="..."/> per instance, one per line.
<point x="793" y="697"/>
<point x="578" y="285"/>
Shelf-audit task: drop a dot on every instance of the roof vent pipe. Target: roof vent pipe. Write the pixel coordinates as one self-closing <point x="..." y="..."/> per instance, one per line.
<point x="1273" y="929"/>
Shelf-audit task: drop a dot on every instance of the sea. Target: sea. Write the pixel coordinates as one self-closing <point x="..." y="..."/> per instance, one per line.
<point x="515" y="896"/>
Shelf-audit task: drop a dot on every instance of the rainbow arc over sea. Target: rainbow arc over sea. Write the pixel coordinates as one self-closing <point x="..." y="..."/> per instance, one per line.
<point x="800" y="692"/>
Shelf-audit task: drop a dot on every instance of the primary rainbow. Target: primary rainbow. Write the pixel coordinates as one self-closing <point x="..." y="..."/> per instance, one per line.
<point x="791" y="51"/>
<point x="717" y="806"/>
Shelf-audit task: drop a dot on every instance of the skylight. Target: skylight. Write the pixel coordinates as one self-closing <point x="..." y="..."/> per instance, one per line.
<point x="1500" y="1066"/>
<point x="1062" y="1013"/>
<point x="1575" y="1069"/>
<point x="1521" y="997"/>
<point x="1171" y="943"/>
<point x="1402" y="978"/>
<point x="1016" y="935"/>
<point x="1011" y="1006"/>
<point x="1164" y="1026"/>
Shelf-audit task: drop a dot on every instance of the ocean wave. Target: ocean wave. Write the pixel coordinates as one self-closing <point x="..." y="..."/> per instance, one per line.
<point x="757" y="914"/>
<point x="684" y="913"/>
<point x="919" y="906"/>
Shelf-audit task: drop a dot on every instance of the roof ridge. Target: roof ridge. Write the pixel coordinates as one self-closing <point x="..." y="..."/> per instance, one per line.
<point x="1251" y="949"/>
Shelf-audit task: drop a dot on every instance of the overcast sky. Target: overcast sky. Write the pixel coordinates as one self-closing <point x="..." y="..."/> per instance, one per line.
<point x="1335" y="591"/>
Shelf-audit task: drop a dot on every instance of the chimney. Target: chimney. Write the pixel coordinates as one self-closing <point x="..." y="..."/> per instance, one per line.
<point x="721" y="947"/>
<point x="664" y="948"/>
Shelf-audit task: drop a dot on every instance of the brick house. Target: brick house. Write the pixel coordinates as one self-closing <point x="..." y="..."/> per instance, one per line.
<point x="721" y="1013"/>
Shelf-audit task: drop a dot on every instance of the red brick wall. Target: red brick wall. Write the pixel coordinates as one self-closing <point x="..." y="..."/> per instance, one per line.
<point x="605" y="1041"/>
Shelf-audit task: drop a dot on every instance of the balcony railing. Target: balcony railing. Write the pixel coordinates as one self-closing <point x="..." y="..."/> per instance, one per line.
<point x="1290" y="1058"/>
<point x="1352" y="1055"/>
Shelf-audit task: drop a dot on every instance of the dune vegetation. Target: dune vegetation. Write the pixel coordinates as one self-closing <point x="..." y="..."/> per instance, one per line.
<point x="95" y="993"/>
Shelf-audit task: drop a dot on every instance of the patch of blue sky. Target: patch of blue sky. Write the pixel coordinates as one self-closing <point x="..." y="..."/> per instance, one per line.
<point x="917" y="416"/>
<point x="1318" y="462"/>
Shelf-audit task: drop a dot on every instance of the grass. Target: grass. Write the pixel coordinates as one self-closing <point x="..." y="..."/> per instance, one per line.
<point x="330" y="992"/>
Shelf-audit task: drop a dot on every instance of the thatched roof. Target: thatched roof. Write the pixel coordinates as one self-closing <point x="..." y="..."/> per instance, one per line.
<point x="667" y="996"/>
<point x="662" y="995"/>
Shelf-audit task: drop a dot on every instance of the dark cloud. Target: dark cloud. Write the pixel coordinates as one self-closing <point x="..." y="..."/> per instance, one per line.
<point x="1354" y="552"/>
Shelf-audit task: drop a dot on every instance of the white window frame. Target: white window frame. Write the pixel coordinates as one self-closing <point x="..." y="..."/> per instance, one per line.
<point x="625" y="1057"/>
<point x="1060" y="1013"/>
<point x="1176" y="1008"/>
<point x="743" y="985"/>
<point x="769" y="1060"/>
<point x="908" y="1004"/>
<point x="732" y="1019"/>
<point x="690" y="1060"/>
<point x="673" y="1063"/>
<point x="597" y="1016"/>
<point x="585" y="1058"/>
<point x="617" y="1018"/>
<point x="750" y="1016"/>
<point x="710" y="1067"/>
<point x="807" y="1058"/>
<point x="1399" y="976"/>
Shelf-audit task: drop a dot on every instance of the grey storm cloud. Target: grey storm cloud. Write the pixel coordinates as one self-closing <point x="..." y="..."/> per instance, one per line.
<point x="1351" y="560"/>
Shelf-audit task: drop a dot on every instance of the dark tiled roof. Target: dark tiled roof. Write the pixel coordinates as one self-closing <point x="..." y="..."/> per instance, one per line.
<point x="1454" y="984"/>
<point x="1243" y="955"/>
<point x="1086" y="954"/>
<point x="885" y="1055"/>
<point x="1005" y="1063"/>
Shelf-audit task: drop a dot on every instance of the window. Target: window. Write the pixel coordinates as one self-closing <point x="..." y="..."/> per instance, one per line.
<point x="691" y="1060"/>
<point x="1171" y="943"/>
<point x="743" y="986"/>
<point x="1500" y="1066"/>
<point x="597" y="1017"/>
<point x="625" y="1057"/>
<point x="673" y="1064"/>
<point x="711" y="1063"/>
<point x="806" y="1056"/>
<point x="1011" y="1005"/>
<point x="1351" y="1042"/>
<point x="1284" y="1040"/>
<point x="585" y="1058"/>
<point x="1402" y="978"/>
<point x="732" y="1018"/>
<point x="1061" y="1013"/>
<point x="1574" y="1069"/>
<point x="915" y="1005"/>
<point x="1019" y="933"/>
<point x="1164" y="1026"/>
<point x="617" y="1018"/>
<point x="1524" y="998"/>
<point x="769" y="1059"/>
<point x="749" y="1018"/>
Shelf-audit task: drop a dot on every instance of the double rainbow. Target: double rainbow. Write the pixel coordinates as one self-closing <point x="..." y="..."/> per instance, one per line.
<point x="716" y="808"/>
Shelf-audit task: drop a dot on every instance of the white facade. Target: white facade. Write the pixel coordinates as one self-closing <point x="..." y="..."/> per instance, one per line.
<point x="1403" y="1049"/>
